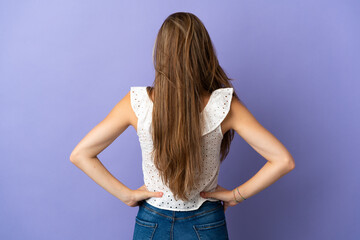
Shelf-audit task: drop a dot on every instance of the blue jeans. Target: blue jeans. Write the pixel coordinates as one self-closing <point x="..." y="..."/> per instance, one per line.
<point x="207" y="222"/>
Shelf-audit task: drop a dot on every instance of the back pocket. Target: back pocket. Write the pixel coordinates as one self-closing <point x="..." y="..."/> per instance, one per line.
<point x="215" y="230"/>
<point x="144" y="229"/>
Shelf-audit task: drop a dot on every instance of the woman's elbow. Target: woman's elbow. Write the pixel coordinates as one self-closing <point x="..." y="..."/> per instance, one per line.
<point x="73" y="156"/>
<point x="290" y="163"/>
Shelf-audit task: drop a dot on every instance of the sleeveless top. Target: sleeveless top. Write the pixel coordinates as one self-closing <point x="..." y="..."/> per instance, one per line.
<point x="212" y="115"/>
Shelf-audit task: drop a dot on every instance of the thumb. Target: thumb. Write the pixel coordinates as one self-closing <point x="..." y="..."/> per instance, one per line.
<point x="155" y="194"/>
<point x="208" y="194"/>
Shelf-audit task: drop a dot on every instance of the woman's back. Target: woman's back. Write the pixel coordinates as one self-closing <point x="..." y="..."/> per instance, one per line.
<point x="187" y="146"/>
<point x="214" y="111"/>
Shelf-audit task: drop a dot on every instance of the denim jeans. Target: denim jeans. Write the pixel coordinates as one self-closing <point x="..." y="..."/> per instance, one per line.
<point x="206" y="222"/>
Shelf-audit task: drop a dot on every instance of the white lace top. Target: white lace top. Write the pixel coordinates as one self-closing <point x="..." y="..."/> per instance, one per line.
<point x="212" y="115"/>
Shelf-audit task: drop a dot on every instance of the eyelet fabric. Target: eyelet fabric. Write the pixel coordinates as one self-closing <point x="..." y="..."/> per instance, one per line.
<point x="212" y="115"/>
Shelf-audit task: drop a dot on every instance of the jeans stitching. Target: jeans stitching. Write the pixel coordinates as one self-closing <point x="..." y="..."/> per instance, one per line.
<point x="197" y="234"/>
<point x="172" y="226"/>
<point x="152" y="235"/>
<point x="145" y="225"/>
<point x="197" y="229"/>
<point x="177" y="218"/>
<point x="153" y="227"/>
<point x="222" y="222"/>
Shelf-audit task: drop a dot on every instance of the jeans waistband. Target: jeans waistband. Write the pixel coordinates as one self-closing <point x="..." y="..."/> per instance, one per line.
<point x="206" y="207"/>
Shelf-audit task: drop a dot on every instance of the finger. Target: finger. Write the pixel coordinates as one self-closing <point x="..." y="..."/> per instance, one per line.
<point x="202" y="194"/>
<point x="205" y="194"/>
<point x="155" y="194"/>
<point x="215" y="195"/>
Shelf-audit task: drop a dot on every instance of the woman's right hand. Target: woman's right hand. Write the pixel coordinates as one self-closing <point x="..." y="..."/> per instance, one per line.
<point x="223" y="194"/>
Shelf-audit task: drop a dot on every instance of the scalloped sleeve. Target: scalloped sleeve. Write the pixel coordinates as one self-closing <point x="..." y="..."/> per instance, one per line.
<point x="219" y="107"/>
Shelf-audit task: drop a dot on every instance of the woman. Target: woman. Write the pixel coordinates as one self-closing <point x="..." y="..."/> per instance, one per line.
<point x="185" y="123"/>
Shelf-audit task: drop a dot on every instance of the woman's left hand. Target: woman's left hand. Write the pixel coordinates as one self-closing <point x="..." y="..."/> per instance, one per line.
<point x="220" y="193"/>
<point x="141" y="194"/>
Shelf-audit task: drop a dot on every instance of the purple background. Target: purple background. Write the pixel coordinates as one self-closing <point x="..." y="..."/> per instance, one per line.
<point x="65" y="64"/>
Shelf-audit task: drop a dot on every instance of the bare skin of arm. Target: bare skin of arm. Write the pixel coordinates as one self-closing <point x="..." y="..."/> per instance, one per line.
<point x="279" y="160"/>
<point x="84" y="155"/>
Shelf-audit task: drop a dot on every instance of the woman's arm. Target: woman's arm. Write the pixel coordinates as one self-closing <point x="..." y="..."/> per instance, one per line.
<point x="279" y="163"/>
<point x="84" y="155"/>
<point x="279" y="160"/>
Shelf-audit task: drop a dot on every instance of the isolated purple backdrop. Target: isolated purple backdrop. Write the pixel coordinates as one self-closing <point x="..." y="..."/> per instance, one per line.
<point x="65" y="64"/>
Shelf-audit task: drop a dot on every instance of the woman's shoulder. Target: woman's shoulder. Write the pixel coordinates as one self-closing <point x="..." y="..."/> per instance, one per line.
<point x="239" y="116"/>
<point x="232" y="107"/>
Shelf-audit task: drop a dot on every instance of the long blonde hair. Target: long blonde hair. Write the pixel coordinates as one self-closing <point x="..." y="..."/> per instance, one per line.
<point x="186" y="66"/>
